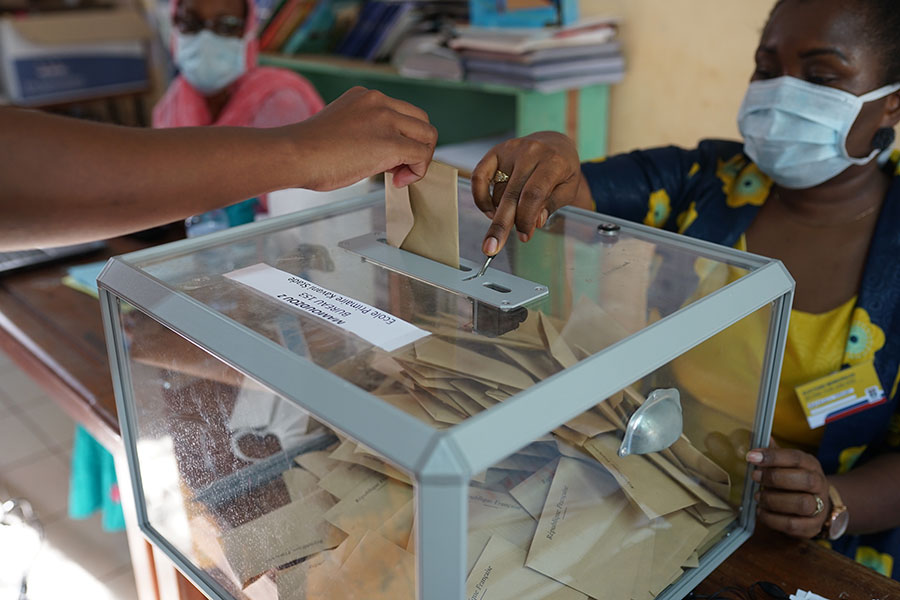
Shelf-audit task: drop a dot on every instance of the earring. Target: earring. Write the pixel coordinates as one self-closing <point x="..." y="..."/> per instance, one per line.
<point x="884" y="138"/>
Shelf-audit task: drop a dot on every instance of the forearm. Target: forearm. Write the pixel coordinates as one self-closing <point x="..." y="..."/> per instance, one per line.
<point x="65" y="180"/>
<point x="872" y="494"/>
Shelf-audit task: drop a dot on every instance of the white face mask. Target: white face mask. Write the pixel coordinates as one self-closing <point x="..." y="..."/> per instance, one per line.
<point x="208" y="61"/>
<point x="796" y="131"/>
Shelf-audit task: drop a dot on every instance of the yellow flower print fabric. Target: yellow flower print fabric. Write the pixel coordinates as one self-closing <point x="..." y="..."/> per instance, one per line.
<point x="865" y="339"/>
<point x="743" y="182"/>
<point x="687" y="218"/>
<point x="848" y="457"/>
<point x="660" y="207"/>
<point x="875" y="560"/>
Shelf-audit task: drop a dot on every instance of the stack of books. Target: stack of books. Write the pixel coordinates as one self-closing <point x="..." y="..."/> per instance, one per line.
<point x="367" y="29"/>
<point x="547" y="59"/>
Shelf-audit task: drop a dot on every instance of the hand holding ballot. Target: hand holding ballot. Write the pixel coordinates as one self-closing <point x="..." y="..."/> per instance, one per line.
<point x="103" y="181"/>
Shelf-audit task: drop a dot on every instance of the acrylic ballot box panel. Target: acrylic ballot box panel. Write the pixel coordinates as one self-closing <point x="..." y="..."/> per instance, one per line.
<point x="309" y="413"/>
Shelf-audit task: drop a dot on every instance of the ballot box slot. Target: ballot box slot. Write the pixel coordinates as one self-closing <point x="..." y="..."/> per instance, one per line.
<point x="495" y="288"/>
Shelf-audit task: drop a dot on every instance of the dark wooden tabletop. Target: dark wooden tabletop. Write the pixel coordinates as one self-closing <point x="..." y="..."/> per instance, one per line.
<point x="55" y="334"/>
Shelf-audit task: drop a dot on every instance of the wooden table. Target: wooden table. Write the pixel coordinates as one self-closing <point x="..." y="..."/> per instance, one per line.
<point x="55" y="335"/>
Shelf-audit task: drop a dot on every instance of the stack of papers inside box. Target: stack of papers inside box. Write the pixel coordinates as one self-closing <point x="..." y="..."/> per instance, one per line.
<point x="564" y="517"/>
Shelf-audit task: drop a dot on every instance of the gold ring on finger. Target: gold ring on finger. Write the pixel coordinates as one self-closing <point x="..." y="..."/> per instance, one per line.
<point x="499" y="177"/>
<point x="820" y="506"/>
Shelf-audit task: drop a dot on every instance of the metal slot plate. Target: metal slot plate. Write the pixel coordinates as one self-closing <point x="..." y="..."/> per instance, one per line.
<point x="373" y="248"/>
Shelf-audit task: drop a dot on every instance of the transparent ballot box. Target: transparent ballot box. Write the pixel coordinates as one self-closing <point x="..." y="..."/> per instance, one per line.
<point x="310" y="413"/>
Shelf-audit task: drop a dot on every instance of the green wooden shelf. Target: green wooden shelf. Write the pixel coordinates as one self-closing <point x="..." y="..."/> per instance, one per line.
<point x="463" y="110"/>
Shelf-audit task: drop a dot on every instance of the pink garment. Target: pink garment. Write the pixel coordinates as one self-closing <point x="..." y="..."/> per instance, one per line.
<point x="262" y="97"/>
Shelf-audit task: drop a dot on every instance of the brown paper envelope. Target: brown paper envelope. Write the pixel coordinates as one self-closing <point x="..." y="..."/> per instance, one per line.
<point x="438" y="410"/>
<point x="497" y="395"/>
<point x="386" y="365"/>
<point x="521" y="462"/>
<point x="299" y="483"/>
<point x="591" y="329"/>
<point x="701" y="466"/>
<point x="503" y="479"/>
<point x="399" y="216"/>
<point x="545" y="449"/>
<point x="433" y="205"/>
<point x="688" y="483"/>
<point x="538" y="364"/>
<point x="501" y="574"/>
<point x="425" y="382"/>
<point x="590" y="424"/>
<point x="570" y="436"/>
<point x="439" y="353"/>
<point x="464" y="401"/>
<point x="457" y="334"/>
<point x="448" y="398"/>
<point x="286" y="534"/>
<point x="590" y="536"/>
<point x="608" y="412"/>
<point x="709" y="515"/>
<point x="347" y="476"/>
<point x="558" y="347"/>
<point x="315" y="577"/>
<point x="411" y="546"/>
<point x="496" y="513"/>
<point x="714" y="534"/>
<point x="532" y="493"/>
<point x="410" y="406"/>
<point x="398" y="528"/>
<point x="650" y="488"/>
<point x="635" y="397"/>
<point x="317" y="462"/>
<point x="368" y="506"/>
<point x="263" y="588"/>
<point x="378" y="569"/>
<point x="676" y="538"/>
<point x="527" y="335"/>
<point x="426" y="371"/>
<point x="693" y="561"/>
<point x="346" y="452"/>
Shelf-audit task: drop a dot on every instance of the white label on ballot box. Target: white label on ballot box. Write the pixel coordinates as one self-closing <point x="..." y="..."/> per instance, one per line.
<point x="371" y="324"/>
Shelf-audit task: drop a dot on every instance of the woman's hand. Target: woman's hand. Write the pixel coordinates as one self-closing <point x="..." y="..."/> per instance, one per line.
<point x="791" y="481"/>
<point x="544" y="175"/>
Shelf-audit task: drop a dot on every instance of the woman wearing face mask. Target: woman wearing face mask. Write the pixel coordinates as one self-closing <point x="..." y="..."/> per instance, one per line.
<point x="806" y="187"/>
<point x="214" y="46"/>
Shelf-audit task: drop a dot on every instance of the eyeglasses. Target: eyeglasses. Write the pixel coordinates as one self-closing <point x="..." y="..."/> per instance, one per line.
<point x="227" y="25"/>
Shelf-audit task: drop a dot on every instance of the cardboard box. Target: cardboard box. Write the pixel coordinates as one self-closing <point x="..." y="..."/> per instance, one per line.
<point x="63" y="57"/>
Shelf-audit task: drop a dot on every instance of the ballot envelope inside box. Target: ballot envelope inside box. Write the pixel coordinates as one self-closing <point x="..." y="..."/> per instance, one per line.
<point x="310" y="412"/>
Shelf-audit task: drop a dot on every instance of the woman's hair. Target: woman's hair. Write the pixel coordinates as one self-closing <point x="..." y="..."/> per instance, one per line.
<point x="882" y="31"/>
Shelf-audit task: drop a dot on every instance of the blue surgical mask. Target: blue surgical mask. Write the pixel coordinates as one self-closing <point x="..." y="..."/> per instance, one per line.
<point x="796" y="131"/>
<point x="208" y="61"/>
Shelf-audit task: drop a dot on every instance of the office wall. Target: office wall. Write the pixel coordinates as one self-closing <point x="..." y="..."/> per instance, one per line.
<point x="688" y="65"/>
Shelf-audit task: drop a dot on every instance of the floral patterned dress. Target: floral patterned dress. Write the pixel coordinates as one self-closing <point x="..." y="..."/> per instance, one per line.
<point x="713" y="192"/>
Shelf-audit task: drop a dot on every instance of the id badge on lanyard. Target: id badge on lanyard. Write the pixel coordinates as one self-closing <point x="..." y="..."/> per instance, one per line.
<point x="840" y="394"/>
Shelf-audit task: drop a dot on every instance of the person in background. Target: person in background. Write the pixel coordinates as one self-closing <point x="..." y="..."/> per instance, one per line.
<point x="811" y="185"/>
<point x="219" y="83"/>
<point x="215" y="48"/>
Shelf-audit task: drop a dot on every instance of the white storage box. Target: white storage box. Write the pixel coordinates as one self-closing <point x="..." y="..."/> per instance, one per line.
<point x="61" y="57"/>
